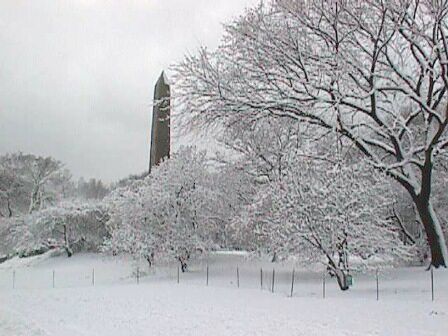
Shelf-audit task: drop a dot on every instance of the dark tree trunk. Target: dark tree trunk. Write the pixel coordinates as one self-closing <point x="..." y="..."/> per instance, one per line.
<point x="434" y="233"/>
<point x="68" y="250"/>
<point x="342" y="279"/>
<point x="9" y="208"/>
<point x="149" y="258"/>
<point x="338" y="272"/>
<point x="67" y="247"/>
<point x="183" y="264"/>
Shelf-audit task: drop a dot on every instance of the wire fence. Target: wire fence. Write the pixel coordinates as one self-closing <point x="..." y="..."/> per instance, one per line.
<point x="277" y="279"/>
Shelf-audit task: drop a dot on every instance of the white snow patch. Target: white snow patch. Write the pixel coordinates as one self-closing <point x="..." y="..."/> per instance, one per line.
<point x="117" y="306"/>
<point x="230" y="252"/>
<point x="17" y="262"/>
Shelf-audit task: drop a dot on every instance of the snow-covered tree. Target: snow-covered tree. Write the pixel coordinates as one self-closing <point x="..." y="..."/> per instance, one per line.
<point x="10" y="191"/>
<point x="168" y="214"/>
<point x="38" y="207"/>
<point x="127" y="226"/>
<point x="30" y="181"/>
<point x="71" y="225"/>
<point x="262" y="149"/>
<point x="326" y="214"/>
<point x="376" y="72"/>
<point x="232" y="189"/>
<point x="13" y="233"/>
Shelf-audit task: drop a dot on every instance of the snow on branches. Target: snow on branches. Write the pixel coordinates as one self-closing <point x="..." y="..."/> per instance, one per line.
<point x="169" y="214"/>
<point x="327" y="214"/>
<point x="375" y="72"/>
<point x="71" y="225"/>
<point x="29" y="183"/>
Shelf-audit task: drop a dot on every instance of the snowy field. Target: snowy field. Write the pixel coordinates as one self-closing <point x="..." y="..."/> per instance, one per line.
<point x="95" y="295"/>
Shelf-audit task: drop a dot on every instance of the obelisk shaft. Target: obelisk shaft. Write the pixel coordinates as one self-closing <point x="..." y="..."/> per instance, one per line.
<point x="160" y="130"/>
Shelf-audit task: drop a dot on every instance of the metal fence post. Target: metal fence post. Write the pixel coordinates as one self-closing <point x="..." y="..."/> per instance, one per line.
<point x="237" y="277"/>
<point x="323" y="286"/>
<point x="432" y="283"/>
<point x="377" y="286"/>
<point x="292" y="282"/>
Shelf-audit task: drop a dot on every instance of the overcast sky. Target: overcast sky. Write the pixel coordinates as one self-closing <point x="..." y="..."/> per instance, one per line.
<point x="77" y="77"/>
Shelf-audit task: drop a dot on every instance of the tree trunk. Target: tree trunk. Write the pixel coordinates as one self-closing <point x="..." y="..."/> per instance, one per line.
<point x="149" y="258"/>
<point x="67" y="247"/>
<point x="35" y="200"/>
<point x="9" y="208"/>
<point x="434" y="232"/>
<point x="342" y="279"/>
<point x="274" y="257"/>
<point x="340" y="274"/>
<point x="183" y="264"/>
<point x="68" y="250"/>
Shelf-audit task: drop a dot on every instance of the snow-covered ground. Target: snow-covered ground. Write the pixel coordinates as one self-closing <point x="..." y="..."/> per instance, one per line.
<point x="115" y="305"/>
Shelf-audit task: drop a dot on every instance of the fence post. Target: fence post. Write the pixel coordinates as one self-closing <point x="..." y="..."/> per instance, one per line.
<point x="53" y="277"/>
<point x="93" y="276"/>
<point x="207" y="276"/>
<point x="273" y="279"/>
<point x="138" y="275"/>
<point x="261" y="278"/>
<point x="377" y="286"/>
<point x="178" y="274"/>
<point x="292" y="282"/>
<point x="432" y="283"/>
<point x="13" y="279"/>
<point x="237" y="277"/>
<point x="323" y="286"/>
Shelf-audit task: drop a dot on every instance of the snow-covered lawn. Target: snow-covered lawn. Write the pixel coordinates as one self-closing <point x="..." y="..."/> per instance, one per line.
<point x="117" y="306"/>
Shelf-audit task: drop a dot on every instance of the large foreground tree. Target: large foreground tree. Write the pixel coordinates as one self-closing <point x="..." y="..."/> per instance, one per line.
<point x="376" y="72"/>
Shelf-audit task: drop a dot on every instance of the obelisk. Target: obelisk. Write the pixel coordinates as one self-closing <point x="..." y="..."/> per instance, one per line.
<point x="160" y="129"/>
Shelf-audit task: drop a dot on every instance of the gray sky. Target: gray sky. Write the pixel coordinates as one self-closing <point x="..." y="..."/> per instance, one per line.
<point x="77" y="77"/>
